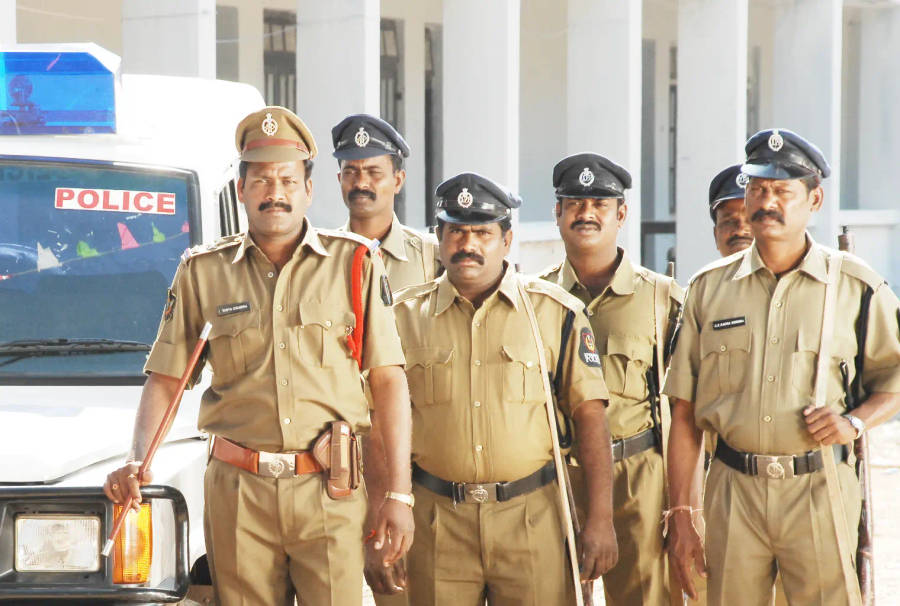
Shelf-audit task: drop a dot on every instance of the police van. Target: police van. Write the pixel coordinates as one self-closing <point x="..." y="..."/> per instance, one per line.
<point x="105" y="180"/>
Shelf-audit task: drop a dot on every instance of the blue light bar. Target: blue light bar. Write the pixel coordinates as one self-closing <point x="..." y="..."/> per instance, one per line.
<point x="56" y="92"/>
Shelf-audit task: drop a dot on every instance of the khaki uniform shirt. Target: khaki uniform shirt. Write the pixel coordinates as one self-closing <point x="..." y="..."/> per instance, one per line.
<point x="746" y="347"/>
<point x="474" y="379"/>
<point x="281" y="366"/>
<point x="409" y="256"/>
<point x="623" y="323"/>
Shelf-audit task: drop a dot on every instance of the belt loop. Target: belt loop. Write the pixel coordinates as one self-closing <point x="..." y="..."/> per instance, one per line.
<point x="458" y="493"/>
<point x="501" y="492"/>
<point x="748" y="464"/>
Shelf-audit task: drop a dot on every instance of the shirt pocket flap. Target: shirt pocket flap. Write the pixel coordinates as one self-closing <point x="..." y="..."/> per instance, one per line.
<point x="233" y="325"/>
<point x="722" y="341"/>
<point x="633" y="348"/>
<point x="526" y="356"/>
<point x="426" y="357"/>
<point x="324" y="315"/>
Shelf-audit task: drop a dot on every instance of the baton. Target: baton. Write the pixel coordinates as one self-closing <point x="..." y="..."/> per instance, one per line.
<point x="160" y="433"/>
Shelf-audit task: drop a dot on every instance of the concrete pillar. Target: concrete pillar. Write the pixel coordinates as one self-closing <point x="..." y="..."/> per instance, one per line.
<point x="414" y="112"/>
<point x="338" y="55"/>
<point x="806" y="90"/>
<point x="879" y="123"/>
<point x="481" y="90"/>
<point x="712" y="117"/>
<point x="171" y="37"/>
<point x="603" y="93"/>
<point x="251" y="45"/>
<point x="7" y="21"/>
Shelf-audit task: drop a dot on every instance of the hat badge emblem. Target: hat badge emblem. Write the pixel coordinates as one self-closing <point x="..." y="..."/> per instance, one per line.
<point x="362" y="137"/>
<point x="586" y="177"/>
<point x="776" y="142"/>
<point x="465" y="199"/>
<point x="269" y="125"/>
<point x="742" y="180"/>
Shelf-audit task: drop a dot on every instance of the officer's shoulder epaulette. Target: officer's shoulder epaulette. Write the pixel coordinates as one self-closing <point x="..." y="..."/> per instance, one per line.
<point x="219" y="244"/>
<point x="859" y="269"/>
<point x="540" y="286"/>
<point x="676" y="292"/>
<point x="416" y="290"/>
<point x="719" y="264"/>
<point x="552" y="269"/>
<point x="414" y="237"/>
<point x="346" y="235"/>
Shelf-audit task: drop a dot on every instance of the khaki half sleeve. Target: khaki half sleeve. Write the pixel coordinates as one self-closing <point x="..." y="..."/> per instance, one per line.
<point x="684" y="354"/>
<point x="381" y="343"/>
<point x="582" y="377"/>
<point x="179" y="328"/>
<point x="881" y="368"/>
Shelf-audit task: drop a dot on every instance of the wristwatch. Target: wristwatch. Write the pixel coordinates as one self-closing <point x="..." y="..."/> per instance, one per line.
<point x="858" y="424"/>
<point x="405" y="498"/>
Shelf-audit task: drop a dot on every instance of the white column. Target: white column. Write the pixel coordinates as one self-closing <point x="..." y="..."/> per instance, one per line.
<point x="712" y="117"/>
<point x="251" y="45"/>
<point x="171" y="37"/>
<point x="481" y="90"/>
<point x="338" y="70"/>
<point x="414" y="112"/>
<point x="806" y="90"/>
<point x="7" y="21"/>
<point x="879" y="123"/>
<point x="604" y="93"/>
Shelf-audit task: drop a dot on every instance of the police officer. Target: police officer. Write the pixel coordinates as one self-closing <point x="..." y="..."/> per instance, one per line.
<point x="484" y="478"/>
<point x="744" y="366"/>
<point x="620" y="297"/>
<point x="731" y="229"/>
<point x="279" y="298"/>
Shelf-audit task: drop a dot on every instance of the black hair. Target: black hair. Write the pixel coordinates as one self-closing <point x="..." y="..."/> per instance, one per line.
<point x="810" y="181"/>
<point x="307" y="169"/>
<point x="505" y="225"/>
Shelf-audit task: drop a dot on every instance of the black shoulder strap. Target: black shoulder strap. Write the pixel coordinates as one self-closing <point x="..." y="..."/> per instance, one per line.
<point x="564" y="427"/>
<point x="862" y="333"/>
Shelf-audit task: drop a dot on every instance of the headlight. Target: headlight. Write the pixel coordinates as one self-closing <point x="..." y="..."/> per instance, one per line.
<point x="57" y="543"/>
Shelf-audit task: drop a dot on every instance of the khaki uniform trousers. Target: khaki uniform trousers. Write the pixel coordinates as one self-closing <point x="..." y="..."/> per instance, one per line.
<point x="268" y="539"/>
<point x="754" y="524"/>
<point x="510" y="553"/>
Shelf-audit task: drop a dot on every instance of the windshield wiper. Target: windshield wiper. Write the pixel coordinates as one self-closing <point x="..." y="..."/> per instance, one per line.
<point x="35" y="348"/>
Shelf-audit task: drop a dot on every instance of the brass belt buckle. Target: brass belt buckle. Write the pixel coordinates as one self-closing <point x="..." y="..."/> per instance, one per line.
<point x="775" y="468"/>
<point x="479" y="493"/>
<point x="277" y="464"/>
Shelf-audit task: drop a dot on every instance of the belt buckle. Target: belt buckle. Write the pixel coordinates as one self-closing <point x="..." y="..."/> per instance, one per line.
<point x="479" y="493"/>
<point x="277" y="464"/>
<point x="775" y="467"/>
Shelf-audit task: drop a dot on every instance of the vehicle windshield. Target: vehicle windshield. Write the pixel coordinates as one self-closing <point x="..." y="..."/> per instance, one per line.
<point x="87" y="251"/>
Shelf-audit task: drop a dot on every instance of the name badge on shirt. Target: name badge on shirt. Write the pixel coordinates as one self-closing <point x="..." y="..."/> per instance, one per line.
<point x="729" y="323"/>
<point x="233" y="308"/>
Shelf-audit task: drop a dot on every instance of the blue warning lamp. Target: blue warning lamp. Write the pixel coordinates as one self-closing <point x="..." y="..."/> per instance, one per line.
<point x="57" y="89"/>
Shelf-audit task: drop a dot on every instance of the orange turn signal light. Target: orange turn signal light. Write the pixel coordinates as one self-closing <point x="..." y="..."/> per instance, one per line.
<point x="133" y="550"/>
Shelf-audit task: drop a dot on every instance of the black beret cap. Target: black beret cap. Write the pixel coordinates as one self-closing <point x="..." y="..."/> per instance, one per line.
<point x="589" y="175"/>
<point x="470" y="199"/>
<point x="364" y="136"/>
<point x="783" y="154"/>
<point x="727" y="185"/>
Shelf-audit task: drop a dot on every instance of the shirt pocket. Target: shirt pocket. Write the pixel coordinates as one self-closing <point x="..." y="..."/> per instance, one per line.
<point x="805" y="358"/>
<point x="724" y="357"/>
<point x="322" y="334"/>
<point x="625" y="365"/>
<point x="521" y="375"/>
<point x="234" y="343"/>
<point x="429" y="375"/>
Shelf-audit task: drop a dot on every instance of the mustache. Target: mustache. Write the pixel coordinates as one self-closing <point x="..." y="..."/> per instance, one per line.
<point x="272" y="204"/>
<point x="355" y="193"/>
<point x="457" y="257"/>
<point x="580" y="223"/>
<point x="738" y="238"/>
<point x="763" y="213"/>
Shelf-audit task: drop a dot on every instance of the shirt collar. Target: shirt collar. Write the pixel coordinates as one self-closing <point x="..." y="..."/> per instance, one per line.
<point x="310" y="239"/>
<point x="813" y="263"/>
<point x="394" y="244"/>
<point x="447" y="293"/>
<point x="622" y="282"/>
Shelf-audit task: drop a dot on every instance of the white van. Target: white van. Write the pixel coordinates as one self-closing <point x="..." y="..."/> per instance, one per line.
<point x="105" y="180"/>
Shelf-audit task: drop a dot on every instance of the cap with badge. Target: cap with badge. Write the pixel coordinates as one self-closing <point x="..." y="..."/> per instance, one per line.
<point x="589" y="175"/>
<point x="470" y="199"/>
<point x="364" y="136"/>
<point x="727" y="185"/>
<point x="274" y="134"/>
<point x="783" y="154"/>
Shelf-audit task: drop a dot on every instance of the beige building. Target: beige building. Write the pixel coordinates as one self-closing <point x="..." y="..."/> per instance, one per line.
<point x="668" y="88"/>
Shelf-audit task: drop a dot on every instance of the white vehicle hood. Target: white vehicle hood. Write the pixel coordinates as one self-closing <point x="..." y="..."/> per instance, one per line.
<point x="49" y="432"/>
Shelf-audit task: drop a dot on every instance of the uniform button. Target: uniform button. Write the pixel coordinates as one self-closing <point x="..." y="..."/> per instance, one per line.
<point x="280" y="308"/>
<point x="271" y="274"/>
<point x="774" y="340"/>
<point x="770" y="379"/>
<point x="327" y="323"/>
<point x="590" y="313"/>
<point x="284" y="381"/>
<point x="281" y="345"/>
<point x="477" y="324"/>
<point x="722" y="348"/>
<point x="476" y="404"/>
<point x="529" y="364"/>
<point x="479" y="448"/>
<point x="778" y="304"/>
<point x="767" y="419"/>
<point x="286" y="421"/>
<point x="477" y="362"/>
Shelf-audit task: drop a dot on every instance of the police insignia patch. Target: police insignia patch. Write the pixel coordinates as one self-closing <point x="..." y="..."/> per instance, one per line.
<point x="465" y="199"/>
<point x="386" y="297"/>
<point x="742" y="180"/>
<point x="587" y="348"/>
<point x="361" y="138"/>
<point x="269" y="126"/>
<point x="169" y="310"/>
<point x="586" y="177"/>
<point x="776" y="142"/>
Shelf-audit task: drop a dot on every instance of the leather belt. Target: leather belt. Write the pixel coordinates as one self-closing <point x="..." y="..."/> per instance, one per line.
<point x="626" y="447"/>
<point x="775" y="467"/>
<point x="268" y="464"/>
<point x="488" y="492"/>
